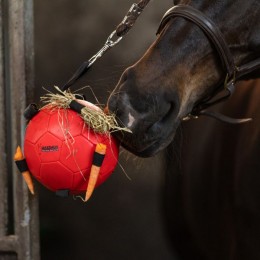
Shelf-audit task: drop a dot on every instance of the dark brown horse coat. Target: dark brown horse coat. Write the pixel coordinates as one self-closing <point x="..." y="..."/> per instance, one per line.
<point x="213" y="183"/>
<point x="212" y="196"/>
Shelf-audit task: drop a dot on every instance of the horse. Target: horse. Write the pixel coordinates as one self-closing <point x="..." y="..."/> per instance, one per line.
<point x="211" y="194"/>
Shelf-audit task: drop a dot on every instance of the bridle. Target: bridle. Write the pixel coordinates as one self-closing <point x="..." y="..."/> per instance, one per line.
<point x="234" y="72"/>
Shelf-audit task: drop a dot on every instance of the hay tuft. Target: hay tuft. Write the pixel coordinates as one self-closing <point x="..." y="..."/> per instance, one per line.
<point x="97" y="120"/>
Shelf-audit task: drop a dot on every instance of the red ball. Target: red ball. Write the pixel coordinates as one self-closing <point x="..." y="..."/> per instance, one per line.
<point x="59" y="148"/>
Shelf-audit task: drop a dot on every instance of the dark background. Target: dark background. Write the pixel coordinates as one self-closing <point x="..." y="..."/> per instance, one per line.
<point x="123" y="219"/>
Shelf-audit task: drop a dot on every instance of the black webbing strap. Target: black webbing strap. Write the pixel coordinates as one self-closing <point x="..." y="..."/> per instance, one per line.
<point x="22" y="165"/>
<point x="74" y="105"/>
<point x="98" y="159"/>
<point x="30" y="111"/>
<point x="62" y="193"/>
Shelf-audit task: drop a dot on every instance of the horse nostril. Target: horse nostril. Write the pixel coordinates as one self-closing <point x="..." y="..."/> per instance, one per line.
<point x="116" y="105"/>
<point x="111" y="104"/>
<point x="106" y="110"/>
<point x="114" y="99"/>
<point x="128" y="75"/>
<point x="124" y="77"/>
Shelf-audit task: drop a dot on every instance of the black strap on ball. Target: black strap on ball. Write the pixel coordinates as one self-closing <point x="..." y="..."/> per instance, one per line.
<point x="74" y="105"/>
<point x="98" y="159"/>
<point x="31" y="111"/>
<point x="62" y="193"/>
<point x="22" y="165"/>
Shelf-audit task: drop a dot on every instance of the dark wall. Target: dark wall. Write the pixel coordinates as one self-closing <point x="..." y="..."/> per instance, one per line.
<point x="123" y="219"/>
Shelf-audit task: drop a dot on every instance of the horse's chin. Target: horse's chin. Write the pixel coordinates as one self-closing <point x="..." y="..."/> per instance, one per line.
<point x="150" y="143"/>
<point x="149" y="151"/>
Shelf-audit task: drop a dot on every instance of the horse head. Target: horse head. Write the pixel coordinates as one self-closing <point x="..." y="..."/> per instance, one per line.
<point x="179" y="70"/>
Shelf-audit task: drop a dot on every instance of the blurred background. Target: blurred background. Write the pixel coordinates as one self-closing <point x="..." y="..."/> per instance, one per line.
<point x="123" y="219"/>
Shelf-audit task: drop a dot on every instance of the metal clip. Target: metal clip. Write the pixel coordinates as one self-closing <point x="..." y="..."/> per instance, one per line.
<point x="109" y="44"/>
<point x="112" y="43"/>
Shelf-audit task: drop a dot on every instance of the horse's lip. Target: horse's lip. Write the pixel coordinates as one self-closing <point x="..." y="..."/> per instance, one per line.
<point x="149" y="151"/>
<point x="148" y="148"/>
<point x="154" y="140"/>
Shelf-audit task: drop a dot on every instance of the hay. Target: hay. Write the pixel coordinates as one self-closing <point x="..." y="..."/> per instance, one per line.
<point x="97" y="120"/>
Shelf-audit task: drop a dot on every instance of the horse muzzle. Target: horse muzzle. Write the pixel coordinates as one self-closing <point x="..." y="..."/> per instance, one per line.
<point x="152" y="122"/>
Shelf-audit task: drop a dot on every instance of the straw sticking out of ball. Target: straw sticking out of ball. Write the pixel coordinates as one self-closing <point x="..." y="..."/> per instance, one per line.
<point x="97" y="119"/>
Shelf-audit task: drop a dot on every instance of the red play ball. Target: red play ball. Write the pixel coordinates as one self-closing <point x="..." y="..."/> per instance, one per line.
<point x="59" y="148"/>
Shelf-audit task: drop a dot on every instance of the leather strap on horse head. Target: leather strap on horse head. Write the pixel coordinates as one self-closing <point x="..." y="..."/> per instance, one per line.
<point x="208" y="27"/>
<point x="233" y="72"/>
<point x="121" y="30"/>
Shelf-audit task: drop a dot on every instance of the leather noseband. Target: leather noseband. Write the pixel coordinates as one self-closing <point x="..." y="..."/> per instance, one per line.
<point x="216" y="37"/>
<point x="209" y="28"/>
